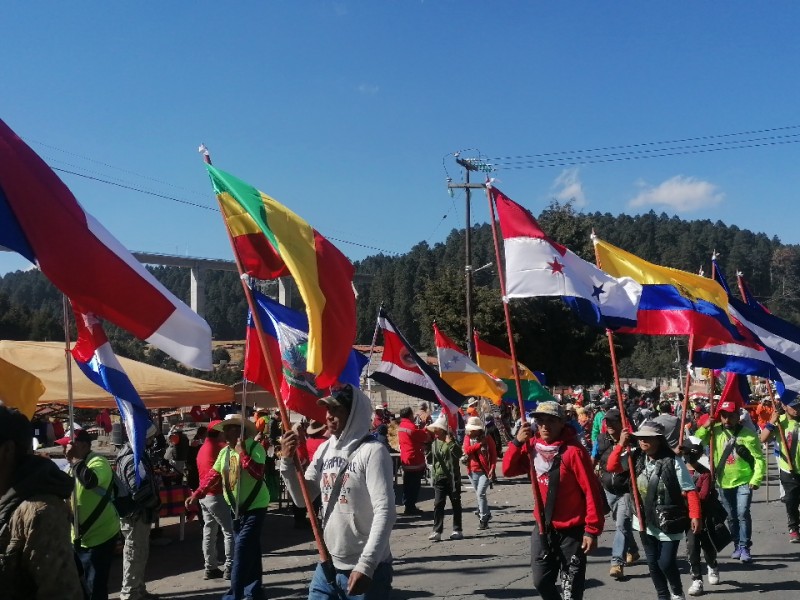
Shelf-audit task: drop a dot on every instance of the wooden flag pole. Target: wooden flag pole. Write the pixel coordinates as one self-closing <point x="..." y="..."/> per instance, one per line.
<point x="322" y="549"/>
<point x="71" y="406"/>
<point x="685" y="403"/>
<point x="537" y="500"/>
<point x="637" y="501"/>
<point x="371" y="350"/>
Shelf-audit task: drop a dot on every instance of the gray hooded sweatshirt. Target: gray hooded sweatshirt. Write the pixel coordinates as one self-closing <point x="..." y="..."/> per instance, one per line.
<point x="358" y="529"/>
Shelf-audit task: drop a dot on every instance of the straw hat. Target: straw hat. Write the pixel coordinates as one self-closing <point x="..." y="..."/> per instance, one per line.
<point x="249" y="426"/>
<point x="314" y="427"/>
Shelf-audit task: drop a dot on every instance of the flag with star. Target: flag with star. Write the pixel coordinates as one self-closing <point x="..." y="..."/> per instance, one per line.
<point x="538" y="266"/>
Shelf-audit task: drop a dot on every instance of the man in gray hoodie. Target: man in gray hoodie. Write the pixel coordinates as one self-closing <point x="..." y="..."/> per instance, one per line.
<point x="353" y="474"/>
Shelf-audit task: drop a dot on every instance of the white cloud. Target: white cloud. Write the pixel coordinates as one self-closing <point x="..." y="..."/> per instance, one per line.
<point x="368" y="88"/>
<point x="680" y="193"/>
<point x="568" y="186"/>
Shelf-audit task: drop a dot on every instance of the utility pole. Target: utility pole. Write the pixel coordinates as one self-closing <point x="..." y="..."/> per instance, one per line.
<point x="469" y="164"/>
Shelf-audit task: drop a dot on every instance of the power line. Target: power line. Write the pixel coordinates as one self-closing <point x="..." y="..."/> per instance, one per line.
<point x="697" y="150"/>
<point x="641" y="144"/>
<point x="194" y="204"/>
<point x="134" y="189"/>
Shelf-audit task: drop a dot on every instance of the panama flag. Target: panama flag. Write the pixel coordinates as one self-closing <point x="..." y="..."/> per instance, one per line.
<point x="539" y="266"/>
<point x="286" y="335"/>
<point x="462" y="374"/>
<point x="405" y="371"/>
<point x="95" y="357"/>
<point x="41" y="220"/>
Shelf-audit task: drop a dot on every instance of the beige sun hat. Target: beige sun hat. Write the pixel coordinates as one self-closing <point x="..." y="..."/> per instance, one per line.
<point x="474" y="424"/>
<point x="440" y="423"/>
<point x="236" y="419"/>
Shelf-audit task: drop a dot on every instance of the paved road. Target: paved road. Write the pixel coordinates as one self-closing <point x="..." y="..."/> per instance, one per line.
<point x="485" y="565"/>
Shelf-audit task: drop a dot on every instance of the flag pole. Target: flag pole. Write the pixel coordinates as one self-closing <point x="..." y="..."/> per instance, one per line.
<point x="71" y="405"/>
<point x="537" y="500"/>
<point x="637" y="501"/>
<point x="712" y="385"/>
<point x="324" y="554"/>
<point x="371" y="350"/>
<point x="685" y="403"/>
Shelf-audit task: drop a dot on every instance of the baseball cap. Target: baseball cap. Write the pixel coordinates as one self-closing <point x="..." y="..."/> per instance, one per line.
<point x="613" y="415"/>
<point x="81" y="435"/>
<point x="727" y="406"/>
<point x="552" y="409"/>
<point x="343" y="397"/>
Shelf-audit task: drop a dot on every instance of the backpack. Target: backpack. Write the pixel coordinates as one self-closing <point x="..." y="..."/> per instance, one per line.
<point x="144" y="497"/>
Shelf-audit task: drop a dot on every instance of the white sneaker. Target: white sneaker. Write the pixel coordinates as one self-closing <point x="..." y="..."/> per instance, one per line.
<point x="713" y="576"/>
<point x="677" y="597"/>
<point x="696" y="589"/>
<point x="456" y="535"/>
<point x="435" y="537"/>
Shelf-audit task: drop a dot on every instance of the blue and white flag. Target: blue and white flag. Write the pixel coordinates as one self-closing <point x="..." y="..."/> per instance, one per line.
<point x="95" y="357"/>
<point x="743" y="354"/>
<point x="780" y="339"/>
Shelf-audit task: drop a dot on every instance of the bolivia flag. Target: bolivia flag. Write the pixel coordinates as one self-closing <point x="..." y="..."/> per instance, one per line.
<point x="274" y="241"/>
<point x="19" y="389"/>
<point x="499" y="364"/>
<point x="462" y="374"/>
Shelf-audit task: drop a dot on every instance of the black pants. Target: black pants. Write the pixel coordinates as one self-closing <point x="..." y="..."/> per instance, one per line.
<point x="443" y="489"/>
<point x="565" y="554"/>
<point x="412" y="482"/>
<point x="663" y="564"/>
<point x="693" y="545"/>
<point x="791" y="490"/>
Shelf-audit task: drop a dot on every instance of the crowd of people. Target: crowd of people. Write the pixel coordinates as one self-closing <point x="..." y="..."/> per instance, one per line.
<point x="663" y="477"/>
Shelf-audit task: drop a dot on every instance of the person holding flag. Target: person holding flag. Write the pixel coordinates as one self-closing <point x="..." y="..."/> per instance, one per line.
<point x="240" y="469"/>
<point x="352" y="472"/>
<point x="572" y="511"/>
<point x="787" y="418"/>
<point x="739" y="469"/>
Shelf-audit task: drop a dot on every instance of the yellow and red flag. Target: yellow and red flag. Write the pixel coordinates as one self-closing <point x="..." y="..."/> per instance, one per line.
<point x="272" y="241"/>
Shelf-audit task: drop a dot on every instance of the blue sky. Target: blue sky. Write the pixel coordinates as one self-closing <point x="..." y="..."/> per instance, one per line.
<point x="344" y="111"/>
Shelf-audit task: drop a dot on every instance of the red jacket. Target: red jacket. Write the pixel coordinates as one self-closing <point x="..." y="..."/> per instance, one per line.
<point x="579" y="503"/>
<point x="412" y="445"/>
<point x="206" y="457"/>
<point x="481" y="457"/>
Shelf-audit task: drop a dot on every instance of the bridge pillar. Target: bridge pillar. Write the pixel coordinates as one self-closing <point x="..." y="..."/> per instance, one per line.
<point x="198" y="290"/>
<point x="285" y="291"/>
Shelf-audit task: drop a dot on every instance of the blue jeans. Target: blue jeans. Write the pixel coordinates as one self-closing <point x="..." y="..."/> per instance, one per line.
<point x="663" y="565"/>
<point x="737" y="502"/>
<point x="381" y="587"/>
<point x="624" y="541"/>
<point x="96" y="565"/>
<point x="246" y="569"/>
<point x="480" y="482"/>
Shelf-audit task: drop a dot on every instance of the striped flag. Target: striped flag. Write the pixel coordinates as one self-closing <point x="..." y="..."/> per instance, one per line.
<point x="274" y="241"/>
<point x="462" y="374"/>
<point x="96" y="359"/>
<point x="41" y="220"/>
<point x="405" y="371"/>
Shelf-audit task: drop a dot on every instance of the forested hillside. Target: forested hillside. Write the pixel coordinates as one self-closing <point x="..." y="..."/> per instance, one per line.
<point x="427" y="283"/>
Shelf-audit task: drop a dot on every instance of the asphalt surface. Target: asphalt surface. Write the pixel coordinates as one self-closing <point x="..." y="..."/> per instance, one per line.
<point x="486" y="564"/>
